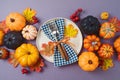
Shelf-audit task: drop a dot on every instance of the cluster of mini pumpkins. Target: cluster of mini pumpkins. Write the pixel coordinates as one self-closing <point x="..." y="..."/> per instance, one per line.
<point x="89" y="60"/>
<point x="20" y="31"/>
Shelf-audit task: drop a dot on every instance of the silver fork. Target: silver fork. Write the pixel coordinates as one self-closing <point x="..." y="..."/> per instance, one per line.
<point x="55" y="32"/>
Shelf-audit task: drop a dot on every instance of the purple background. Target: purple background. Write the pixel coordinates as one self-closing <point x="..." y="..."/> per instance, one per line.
<point x="47" y="9"/>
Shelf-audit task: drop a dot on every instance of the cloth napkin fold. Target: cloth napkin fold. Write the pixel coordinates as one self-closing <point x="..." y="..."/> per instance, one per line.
<point x="58" y="60"/>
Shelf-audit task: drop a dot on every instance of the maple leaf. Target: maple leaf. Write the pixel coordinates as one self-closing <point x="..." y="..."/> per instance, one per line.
<point x="70" y="31"/>
<point x="29" y="14"/>
<point x="105" y="64"/>
<point x="3" y="27"/>
<point x="38" y="66"/>
<point x="12" y="60"/>
<point x="47" y="49"/>
<point x="116" y="22"/>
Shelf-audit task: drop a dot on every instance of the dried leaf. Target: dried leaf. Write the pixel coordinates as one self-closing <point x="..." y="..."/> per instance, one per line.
<point x="12" y="60"/>
<point x="47" y="49"/>
<point x="29" y="13"/>
<point x="70" y="31"/>
<point x="3" y="27"/>
<point x="116" y="22"/>
<point x="38" y="66"/>
<point x="106" y="64"/>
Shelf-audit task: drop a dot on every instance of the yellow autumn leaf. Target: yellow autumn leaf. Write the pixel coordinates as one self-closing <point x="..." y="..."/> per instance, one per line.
<point x="70" y="31"/>
<point x="29" y="13"/>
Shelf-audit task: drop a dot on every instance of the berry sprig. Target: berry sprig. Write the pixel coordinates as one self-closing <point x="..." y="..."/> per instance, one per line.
<point x="35" y="19"/>
<point x="75" y="16"/>
<point x="24" y="71"/>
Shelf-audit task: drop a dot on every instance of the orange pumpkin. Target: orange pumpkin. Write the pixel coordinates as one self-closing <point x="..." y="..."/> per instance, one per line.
<point x="1" y="37"/>
<point x="107" y="30"/>
<point x="27" y="55"/>
<point x="106" y="51"/>
<point x="92" y="43"/>
<point x="88" y="61"/>
<point x="117" y="44"/>
<point x="15" y="21"/>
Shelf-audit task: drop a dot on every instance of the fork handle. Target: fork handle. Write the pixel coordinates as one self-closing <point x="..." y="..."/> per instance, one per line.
<point x="63" y="52"/>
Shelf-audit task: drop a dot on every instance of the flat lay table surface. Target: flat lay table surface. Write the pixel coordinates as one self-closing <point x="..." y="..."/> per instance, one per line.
<point x="48" y="9"/>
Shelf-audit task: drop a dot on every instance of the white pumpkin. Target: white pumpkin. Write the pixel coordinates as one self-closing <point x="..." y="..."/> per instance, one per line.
<point x="29" y="32"/>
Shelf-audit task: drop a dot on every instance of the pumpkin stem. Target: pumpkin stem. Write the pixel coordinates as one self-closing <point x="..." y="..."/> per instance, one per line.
<point x="90" y="62"/>
<point x="28" y="53"/>
<point x="12" y="20"/>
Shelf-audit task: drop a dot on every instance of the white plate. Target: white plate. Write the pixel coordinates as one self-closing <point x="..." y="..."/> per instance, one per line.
<point x="42" y="38"/>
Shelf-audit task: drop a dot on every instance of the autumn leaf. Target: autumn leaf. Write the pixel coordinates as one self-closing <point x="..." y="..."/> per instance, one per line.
<point x="105" y="64"/>
<point x="70" y="31"/>
<point x="12" y="60"/>
<point x="38" y="66"/>
<point x="116" y="22"/>
<point x="3" y="27"/>
<point x="47" y="49"/>
<point x="29" y="14"/>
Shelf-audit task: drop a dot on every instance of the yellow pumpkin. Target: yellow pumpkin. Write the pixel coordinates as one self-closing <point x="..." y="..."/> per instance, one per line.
<point x="27" y="55"/>
<point x="88" y="61"/>
<point x="1" y="37"/>
<point x="117" y="44"/>
<point x="107" y="30"/>
<point x="104" y="15"/>
<point x="15" y="21"/>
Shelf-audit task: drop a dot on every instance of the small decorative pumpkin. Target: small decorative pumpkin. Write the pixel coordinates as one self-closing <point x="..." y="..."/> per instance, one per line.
<point x="29" y="32"/>
<point x="106" y="51"/>
<point x="1" y="37"/>
<point x="15" y="21"/>
<point x="92" y="43"/>
<point x="104" y="15"/>
<point x="27" y="55"/>
<point x="117" y="44"/>
<point x="88" y="61"/>
<point x="4" y="53"/>
<point x="13" y="39"/>
<point x="107" y="30"/>
<point x="90" y="25"/>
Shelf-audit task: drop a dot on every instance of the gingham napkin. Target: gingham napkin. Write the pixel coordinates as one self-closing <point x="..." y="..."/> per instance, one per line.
<point x="58" y="60"/>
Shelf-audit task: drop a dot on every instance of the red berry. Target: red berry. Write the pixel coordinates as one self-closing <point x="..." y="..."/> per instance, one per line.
<point x="72" y="16"/>
<point x="34" y="18"/>
<point x="24" y="71"/>
<point x="76" y="18"/>
<point x="79" y="10"/>
<point x="75" y="13"/>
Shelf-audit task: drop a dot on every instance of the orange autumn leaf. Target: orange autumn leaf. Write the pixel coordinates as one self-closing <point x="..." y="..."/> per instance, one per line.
<point x="12" y="60"/>
<point x="70" y="31"/>
<point x="47" y="49"/>
<point x="38" y="66"/>
<point x="3" y="27"/>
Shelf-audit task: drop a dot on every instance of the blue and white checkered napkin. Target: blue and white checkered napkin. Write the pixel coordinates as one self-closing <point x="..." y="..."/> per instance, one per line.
<point x="58" y="60"/>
